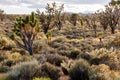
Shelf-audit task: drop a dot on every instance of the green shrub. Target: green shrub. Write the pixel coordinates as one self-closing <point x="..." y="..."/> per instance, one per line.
<point x="79" y="71"/>
<point x="25" y="71"/>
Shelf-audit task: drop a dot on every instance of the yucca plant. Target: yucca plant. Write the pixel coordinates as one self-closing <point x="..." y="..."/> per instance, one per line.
<point x="26" y="29"/>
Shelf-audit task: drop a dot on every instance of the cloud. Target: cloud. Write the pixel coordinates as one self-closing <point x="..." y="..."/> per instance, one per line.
<point x="9" y="2"/>
<point x="76" y="8"/>
<point x="37" y="6"/>
<point x="26" y="6"/>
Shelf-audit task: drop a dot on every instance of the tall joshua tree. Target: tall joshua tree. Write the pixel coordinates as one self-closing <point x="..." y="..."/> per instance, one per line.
<point x="110" y="17"/>
<point x="26" y="29"/>
<point x="51" y="18"/>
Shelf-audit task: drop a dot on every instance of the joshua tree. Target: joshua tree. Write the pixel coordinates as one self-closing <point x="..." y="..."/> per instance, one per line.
<point x="115" y="2"/>
<point x="113" y="16"/>
<point x="92" y="23"/>
<point x="51" y="18"/>
<point x="110" y="17"/>
<point x="26" y="29"/>
<point x="74" y="18"/>
<point x="83" y="26"/>
<point x="1" y="14"/>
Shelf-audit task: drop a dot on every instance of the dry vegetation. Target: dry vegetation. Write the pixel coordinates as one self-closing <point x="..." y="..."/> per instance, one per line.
<point x="60" y="46"/>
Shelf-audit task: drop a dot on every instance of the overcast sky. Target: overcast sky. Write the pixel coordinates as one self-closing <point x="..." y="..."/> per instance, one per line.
<point x="26" y="6"/>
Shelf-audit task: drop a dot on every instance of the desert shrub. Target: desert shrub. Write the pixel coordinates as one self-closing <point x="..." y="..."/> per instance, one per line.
<point x="11" y="62"/>
<point x="104" y="56"/>
<point x="4" y="55"/>
<point x="6" y="43"/>
<point x="47" y="50"/>
<point x="60" y="39"/>
<point x="14" y="56"/>
<point x="12" y="59"/>
<point x="41" y="58"/>
<point x="85" y="56"/>
<point x="24" y="71"/>
<point x="79" y="71"/>
<point x="55" y="59"/>
<point x="26" y="58"/>
<point x="74" y="53"/>
<point x="56" y="45"/>
<point x="42" y="78"/>
<point x="51" y="71"/>
<point x="4" y="68"/>
<point x="116" y="40"/>
<point x="8" y="63"/>
<point x="102" y="72"/>
<point x="66" y="65"/>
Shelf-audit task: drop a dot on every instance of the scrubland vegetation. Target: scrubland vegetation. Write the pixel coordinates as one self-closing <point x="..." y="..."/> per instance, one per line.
<point x="55" y="45"/>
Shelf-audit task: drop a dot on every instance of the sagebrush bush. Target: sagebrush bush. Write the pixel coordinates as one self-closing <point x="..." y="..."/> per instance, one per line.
<point x="55" y="59"/>
<point x="103" y="72"/>
<point x="79" y="71"/>
<point x="59" y="39"/>
<point x="51" y="71"/>
<point x="25" y="71"/>
<point x="41" y="58"/>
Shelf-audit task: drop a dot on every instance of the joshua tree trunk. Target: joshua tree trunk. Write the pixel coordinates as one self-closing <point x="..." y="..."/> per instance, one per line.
<point x="30" y="50"/>
<point x="113" y="30"/>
